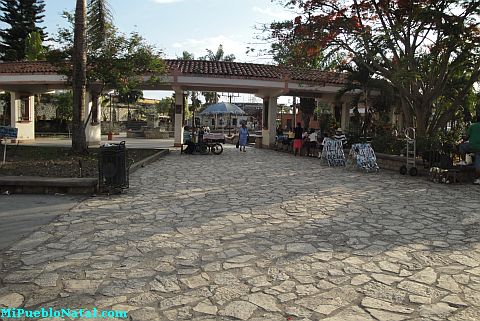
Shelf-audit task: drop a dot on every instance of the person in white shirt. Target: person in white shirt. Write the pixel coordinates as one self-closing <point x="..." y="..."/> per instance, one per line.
<point x="312" y="142"/>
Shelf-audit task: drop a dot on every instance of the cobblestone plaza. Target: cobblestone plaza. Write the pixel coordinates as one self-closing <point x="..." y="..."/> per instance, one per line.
<point x="258" y="236"/>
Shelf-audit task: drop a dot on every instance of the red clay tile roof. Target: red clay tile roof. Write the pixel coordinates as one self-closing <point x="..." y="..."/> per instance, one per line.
<point x="27" y="67"/>
<point x="252" y="71"/>
<point x="205" y="68"/>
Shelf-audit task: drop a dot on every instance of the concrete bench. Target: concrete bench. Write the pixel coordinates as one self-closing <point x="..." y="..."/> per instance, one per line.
<point x="48" y="185"/>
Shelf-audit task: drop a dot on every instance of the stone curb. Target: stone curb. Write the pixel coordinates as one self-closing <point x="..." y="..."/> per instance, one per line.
<point x="150" y="159"/>
<point x="63" y="185"/>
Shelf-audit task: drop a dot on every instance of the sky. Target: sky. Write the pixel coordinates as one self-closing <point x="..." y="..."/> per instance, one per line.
<point x="192" y="25"/>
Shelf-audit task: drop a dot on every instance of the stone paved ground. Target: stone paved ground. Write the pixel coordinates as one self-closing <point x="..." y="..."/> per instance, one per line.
<point x="258" y="236"/>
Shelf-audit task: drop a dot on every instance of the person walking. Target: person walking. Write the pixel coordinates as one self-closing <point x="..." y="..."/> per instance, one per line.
<point x="297" y="141"/>
<point x="243" y="136"/>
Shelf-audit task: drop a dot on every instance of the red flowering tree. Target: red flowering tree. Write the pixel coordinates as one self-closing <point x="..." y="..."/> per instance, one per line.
<point x="420" y="46"/>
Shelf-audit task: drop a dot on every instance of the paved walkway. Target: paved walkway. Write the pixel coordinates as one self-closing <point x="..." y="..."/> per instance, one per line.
<point x="258" y="236"/>
<point x="21" y="215"/>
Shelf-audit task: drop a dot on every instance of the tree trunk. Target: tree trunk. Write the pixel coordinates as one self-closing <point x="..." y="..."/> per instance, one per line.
<point x="79" y="78"/>
<point x="407" y="113"/>
<point x="421" y="113"/>
<point x="307" y="107"/>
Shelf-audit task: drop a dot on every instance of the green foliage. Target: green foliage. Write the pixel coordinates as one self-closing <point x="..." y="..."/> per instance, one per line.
<point x="196" y="102"/>
<point x="123" y="61"/>
<point x="5" y="101"/>
<point x="34" y="49"/>
<point x="423" y="48"/>
<point x="328" y="124"/>
<point x="21" y="18"/>
<point x="186" y="56"/>
<point x="165" y="106"/>
<point x="100" y="22"/>
<point x="219" y="55"/>
<point x="388" y="144"/>
<point x="64" y="102"/>
<point x="120" y="62"/>
<point x="439" y="141"/>
<point x="130" y="97"/>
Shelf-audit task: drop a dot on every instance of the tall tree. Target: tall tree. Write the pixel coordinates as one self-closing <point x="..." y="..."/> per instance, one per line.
<point x="186" y="56"/>
<point x="120" y="62"/>
<point x="79" y="77"/>
<point x="219" y="55"/>
<point x="286" y="53"/>
<point x="196" y="102"/>
<point x="21" y="17"/>
<point x="34" y="49"/>
<point x="417" y="46"/>
<point x="100" y="23"/>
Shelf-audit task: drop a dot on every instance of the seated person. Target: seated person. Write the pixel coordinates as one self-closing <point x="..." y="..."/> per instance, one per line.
<point x="200" y="134"/>
<point x="279" y="131"/>
<point x="279" y="136"/>
<point x="187" y="140"/>
<point x="473" y="146"/>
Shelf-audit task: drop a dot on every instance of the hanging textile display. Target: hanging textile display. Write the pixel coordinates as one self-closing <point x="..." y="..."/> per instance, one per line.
<point x="362" y="157"/>
<point x="332" y="153"/>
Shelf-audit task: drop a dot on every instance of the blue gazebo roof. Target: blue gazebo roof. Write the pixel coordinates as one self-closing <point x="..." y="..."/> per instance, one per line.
<point x="222" y="108"/>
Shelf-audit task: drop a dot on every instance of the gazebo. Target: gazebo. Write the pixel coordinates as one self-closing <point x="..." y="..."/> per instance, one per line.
<point x="222" y="108"/>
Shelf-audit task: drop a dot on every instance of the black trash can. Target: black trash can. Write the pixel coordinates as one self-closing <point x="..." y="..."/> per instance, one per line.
<point x="113" y="167"/>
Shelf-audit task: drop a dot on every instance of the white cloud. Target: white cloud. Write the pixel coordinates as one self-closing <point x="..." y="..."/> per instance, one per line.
<point x="277" y="14"/>
<point x="166" y="1"/>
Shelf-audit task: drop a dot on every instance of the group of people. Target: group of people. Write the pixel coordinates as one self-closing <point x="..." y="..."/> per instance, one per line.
<point x="310" y="139"/>
<point x="300" y="137"/>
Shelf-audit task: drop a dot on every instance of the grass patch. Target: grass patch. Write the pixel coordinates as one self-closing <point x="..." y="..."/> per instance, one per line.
<point x="49" y="161"/>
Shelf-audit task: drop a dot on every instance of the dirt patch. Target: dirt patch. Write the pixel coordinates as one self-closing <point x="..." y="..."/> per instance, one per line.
<point x="57" y="161"/>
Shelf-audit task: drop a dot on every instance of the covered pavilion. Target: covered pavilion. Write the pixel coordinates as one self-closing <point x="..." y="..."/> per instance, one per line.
<point x="268" y="82"/>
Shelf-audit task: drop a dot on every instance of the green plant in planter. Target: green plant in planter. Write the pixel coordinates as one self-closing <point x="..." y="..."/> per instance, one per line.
<point x="388" y="143"/>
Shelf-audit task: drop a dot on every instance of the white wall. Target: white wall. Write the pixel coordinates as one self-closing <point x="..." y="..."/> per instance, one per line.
<point x="26" y="128"/>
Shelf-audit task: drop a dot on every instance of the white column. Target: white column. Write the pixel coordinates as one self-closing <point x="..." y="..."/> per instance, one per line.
<point x="22" y="111"/>
<point x="178" y="135"/>
<point x="269" y="122"/>
<point x="93" y="132"/>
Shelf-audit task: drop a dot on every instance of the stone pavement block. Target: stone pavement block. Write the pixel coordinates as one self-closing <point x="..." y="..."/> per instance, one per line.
<point x="257" y="236"/>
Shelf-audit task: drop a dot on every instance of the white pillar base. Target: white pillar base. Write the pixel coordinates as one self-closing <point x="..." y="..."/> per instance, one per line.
<point x="178" y="134"/>
<point x="268" y="135"/>
<point x="93" y="131"/>
<point x="25" y="125"/>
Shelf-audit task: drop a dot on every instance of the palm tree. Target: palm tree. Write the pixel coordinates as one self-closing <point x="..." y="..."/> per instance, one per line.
<point x="99" y="19"/>
<point x="99" y="22"/>
<point x="192" y="94"/>
<point x="219" y="55"/>
<point x="79" y="77"/>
